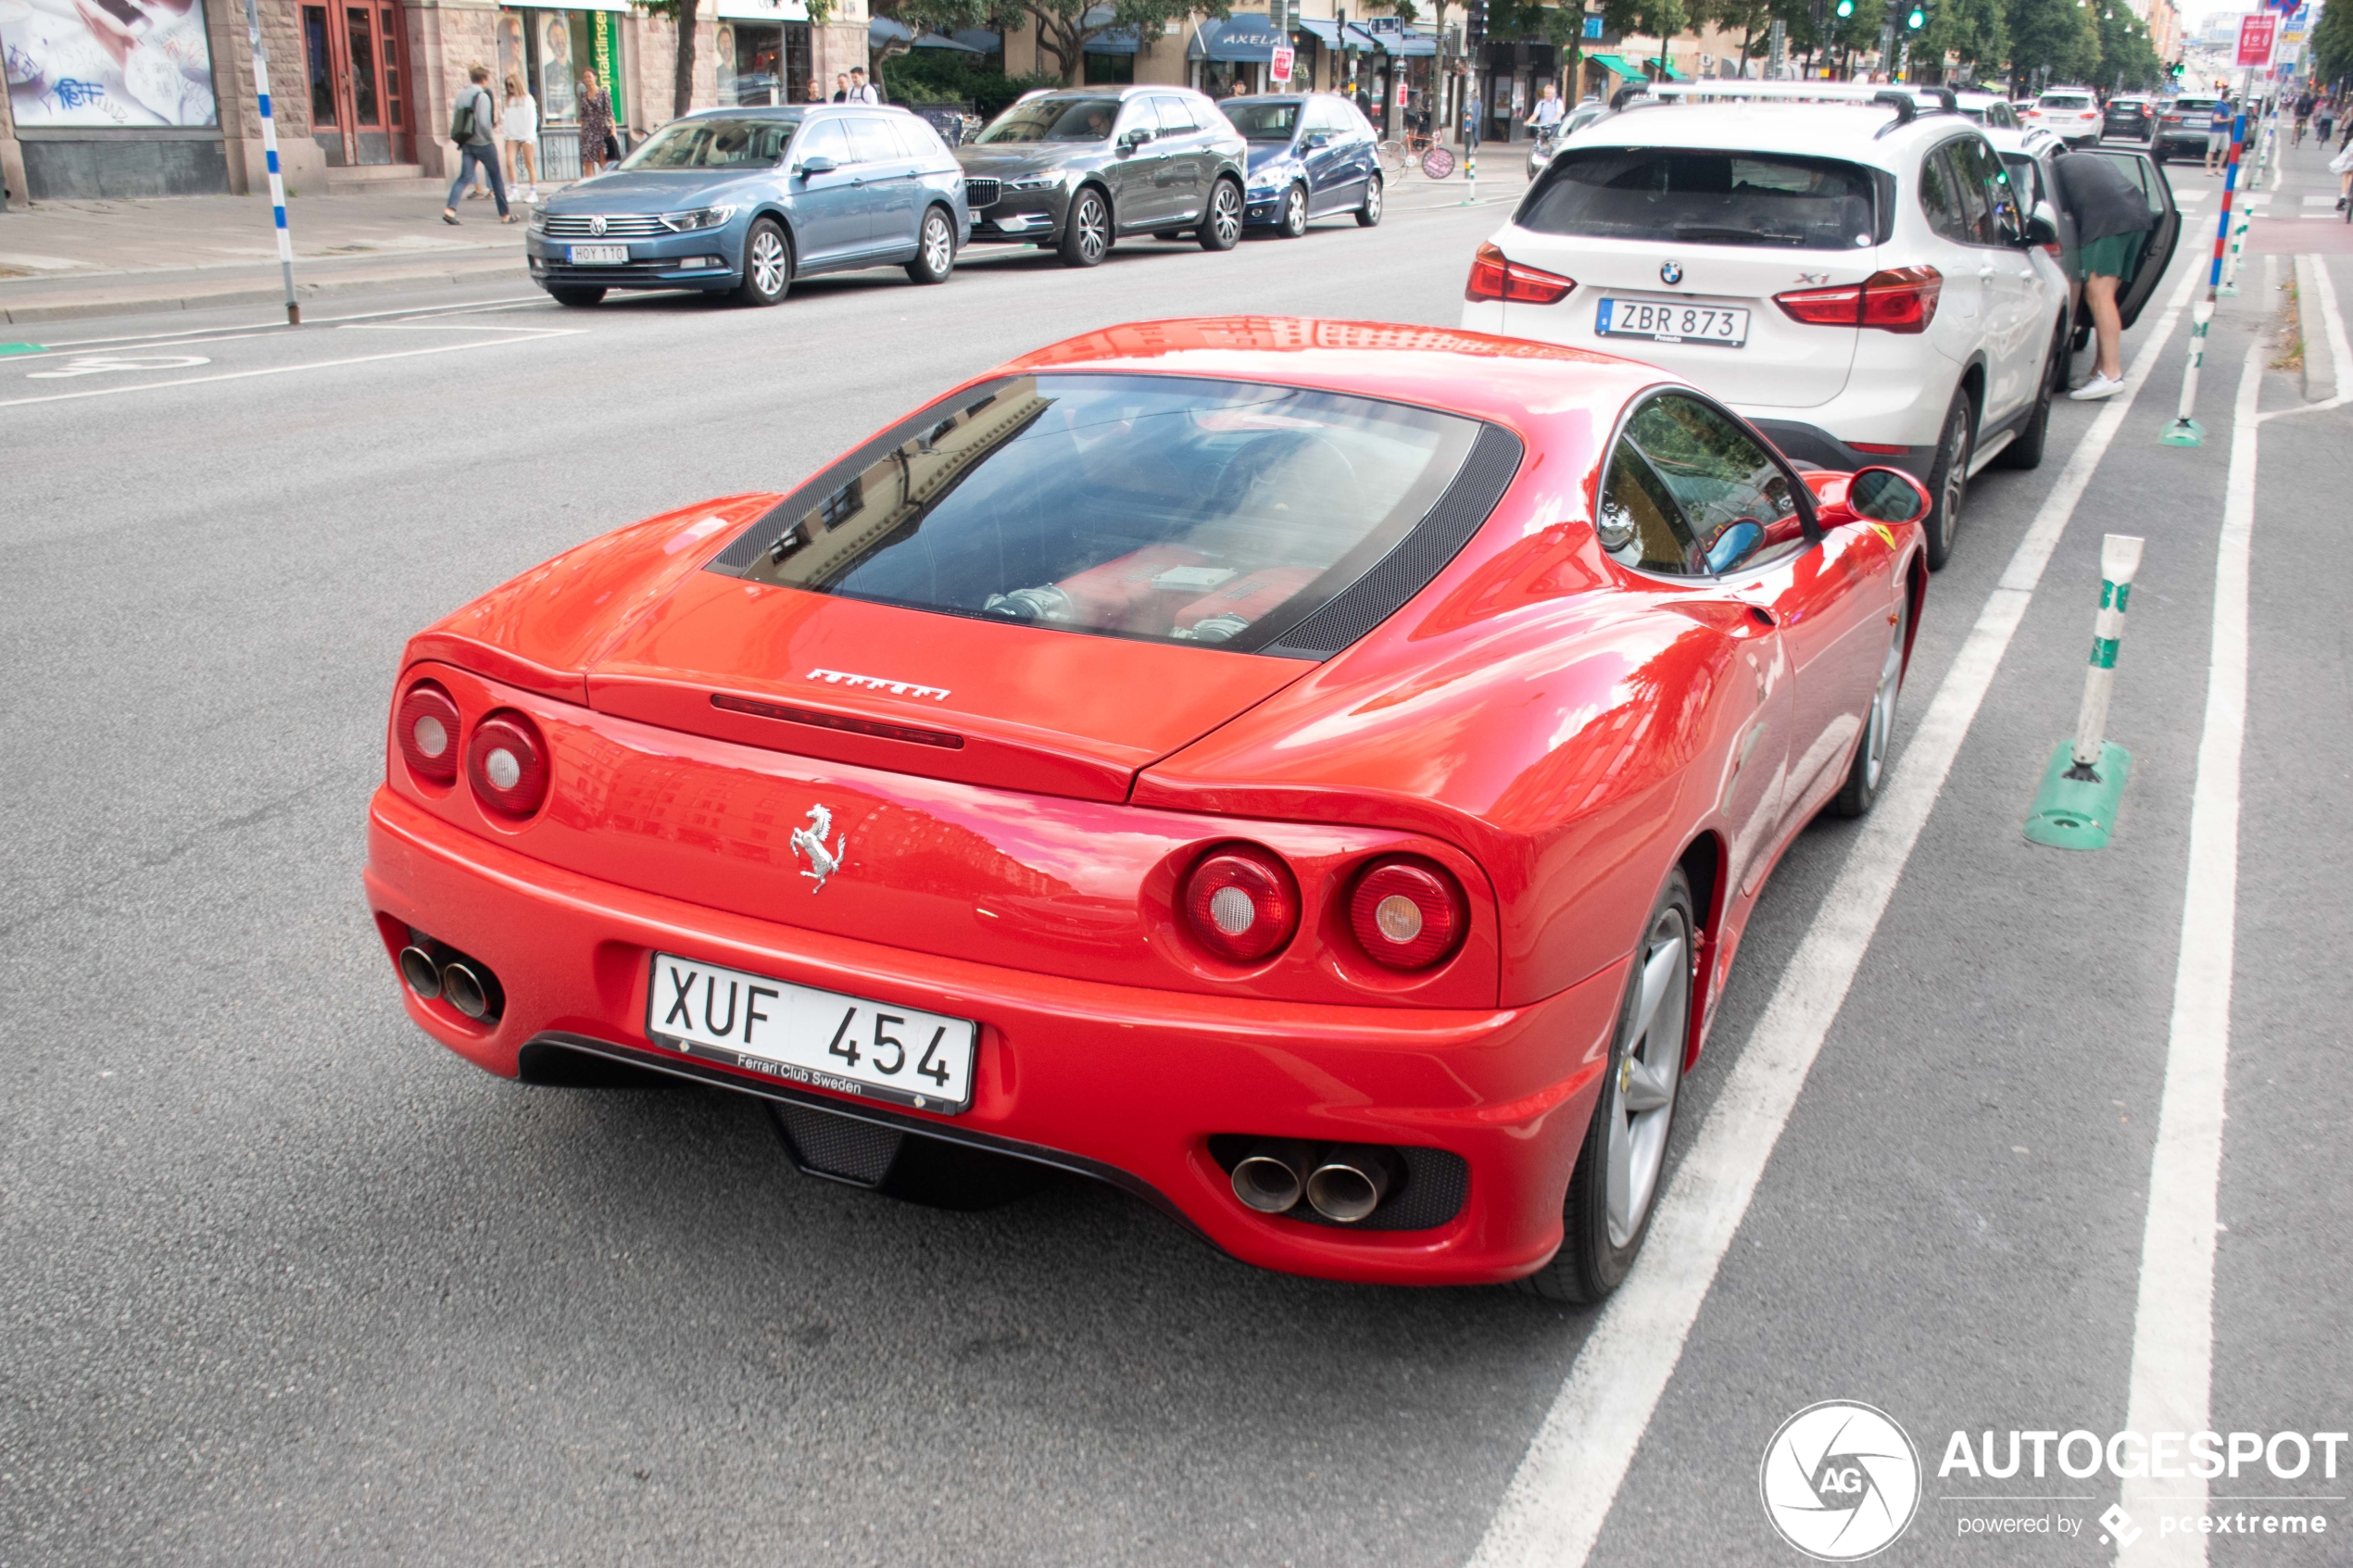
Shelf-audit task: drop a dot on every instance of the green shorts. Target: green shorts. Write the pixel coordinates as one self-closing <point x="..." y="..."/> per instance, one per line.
<point x="2111" y="256"/>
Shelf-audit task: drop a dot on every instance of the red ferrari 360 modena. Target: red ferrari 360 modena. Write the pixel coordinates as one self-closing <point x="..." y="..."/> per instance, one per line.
<point x="1312" y="775"/>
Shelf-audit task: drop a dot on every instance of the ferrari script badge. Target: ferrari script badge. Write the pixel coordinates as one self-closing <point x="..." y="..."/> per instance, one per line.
<point x="811" y="841"/>
<point x="1670" y="273"/>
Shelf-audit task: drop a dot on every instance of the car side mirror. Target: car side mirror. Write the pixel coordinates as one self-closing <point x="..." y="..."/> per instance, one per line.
<point x="2042" y="226"/>
<point x="1129" y="141"/>
<point x="821" y="164"/>
<point x="1878" y="494"/>
<point x="1319" y="139"/>
<point x="1735" y="543"/>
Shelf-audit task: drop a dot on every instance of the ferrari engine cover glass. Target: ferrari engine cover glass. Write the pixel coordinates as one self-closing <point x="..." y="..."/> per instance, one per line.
<point x="1172" y="508"/>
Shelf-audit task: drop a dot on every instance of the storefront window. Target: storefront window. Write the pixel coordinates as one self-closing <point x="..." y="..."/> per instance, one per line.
<point x="111" y="63"/>
<point x="752" y="67"/>
<point x="1107" y="68"/>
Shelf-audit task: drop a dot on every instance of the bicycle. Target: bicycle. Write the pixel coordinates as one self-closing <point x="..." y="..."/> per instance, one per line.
<point x="1436" y="160"/>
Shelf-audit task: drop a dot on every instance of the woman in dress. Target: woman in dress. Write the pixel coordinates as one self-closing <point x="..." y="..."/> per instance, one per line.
<point x="522" y="125"/>
<point x="595" y="124"/>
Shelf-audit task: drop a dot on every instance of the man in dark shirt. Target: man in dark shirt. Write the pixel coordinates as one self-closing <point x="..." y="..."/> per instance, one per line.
<point x="2112" y="221"/>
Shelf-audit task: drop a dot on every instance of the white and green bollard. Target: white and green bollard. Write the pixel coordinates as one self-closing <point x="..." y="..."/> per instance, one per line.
<point x="1470" y="176"/>
<point x="2082" y="788"/>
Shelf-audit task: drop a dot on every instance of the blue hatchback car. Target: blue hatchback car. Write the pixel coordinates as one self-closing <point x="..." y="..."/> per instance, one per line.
<point x="743" y="201"/>
<point x="1311" y="155"/>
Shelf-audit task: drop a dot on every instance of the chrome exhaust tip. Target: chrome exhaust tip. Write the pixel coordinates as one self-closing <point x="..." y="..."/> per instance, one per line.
<point x="418" y="970"/>
<point x="1271" y="1176"/>
<point x="1349" y="1182"/>
<point x="464" y="990"/>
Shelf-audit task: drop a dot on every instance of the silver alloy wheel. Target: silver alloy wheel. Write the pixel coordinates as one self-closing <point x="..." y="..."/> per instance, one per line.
<point x="1094" y="226"/>
<point x="939" y="243"/>
<point x="1956" y="487"/>
<point x="1641" y="1096"/>
<point x="1372" y="199"/>
<point x="767" y="261"/>
<point x="1881" y="718"/>
<point x="1225" y="213"/>
<point x="1295" y="211"/>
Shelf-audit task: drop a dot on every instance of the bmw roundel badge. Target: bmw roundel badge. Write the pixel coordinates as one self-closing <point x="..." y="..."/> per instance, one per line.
<point x="1670" y="273"/>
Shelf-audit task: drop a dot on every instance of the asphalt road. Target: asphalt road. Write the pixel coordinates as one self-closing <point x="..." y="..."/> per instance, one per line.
<point x="283" y="1279"/>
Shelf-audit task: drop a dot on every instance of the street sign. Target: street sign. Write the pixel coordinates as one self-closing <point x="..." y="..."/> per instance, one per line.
<point x="2257" y="31"/>
<point x="1401" y="95"/>
<point x="1280" y="68"/>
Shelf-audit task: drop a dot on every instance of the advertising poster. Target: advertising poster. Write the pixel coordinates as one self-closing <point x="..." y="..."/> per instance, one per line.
<point x="106" y="63"/>
<point x="2256" y="36"/>
<point x="604" y="58"/>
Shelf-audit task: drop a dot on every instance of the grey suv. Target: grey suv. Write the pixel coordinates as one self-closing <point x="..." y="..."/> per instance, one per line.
<point x="1074" y="169"/>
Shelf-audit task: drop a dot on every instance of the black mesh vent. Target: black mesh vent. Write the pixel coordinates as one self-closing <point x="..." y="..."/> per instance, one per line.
<point x="840" y="1146"/>
<point x="1418" y="556"/>
<point x="1437" y="1181"/>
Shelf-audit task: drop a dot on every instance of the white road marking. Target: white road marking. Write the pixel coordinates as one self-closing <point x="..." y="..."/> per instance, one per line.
<point x="1556" y="1503"/>
<point x="274" y="329"/>
<point x="289" y="369"/>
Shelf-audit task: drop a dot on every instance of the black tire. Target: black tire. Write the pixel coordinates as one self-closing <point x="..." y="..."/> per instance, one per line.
<point x="1368" y="215"/>
<point x="1948" y="479"/>
<point x="566" y="294"/>
<point x="935" y="248"/>
<point x="767" y="264"/>
<point x="1867" y="771"/>
<point x="1596" y="1251"/>
<point x="1293" y="222"/>
<point x="2026" y="452"/>
<point x="1221" y="224"/>
<point x="1087" y="231"/>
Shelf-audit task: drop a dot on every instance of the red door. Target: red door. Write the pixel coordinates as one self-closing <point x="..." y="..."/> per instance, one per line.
<point x="359" y="82"/>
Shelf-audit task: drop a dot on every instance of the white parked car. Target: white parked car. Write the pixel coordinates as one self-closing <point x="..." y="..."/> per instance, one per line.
<point x="2072" y="114"/>
<point x="1856" y="277"/>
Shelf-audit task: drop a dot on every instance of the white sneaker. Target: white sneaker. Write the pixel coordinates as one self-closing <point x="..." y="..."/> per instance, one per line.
<point x="2099" y="386"/>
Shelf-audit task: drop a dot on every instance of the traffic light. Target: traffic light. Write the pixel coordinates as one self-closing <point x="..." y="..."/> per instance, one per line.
<point x="1846" y="7"/>
<point x="2177" y="70"/>
<point x="1918" y="20"/>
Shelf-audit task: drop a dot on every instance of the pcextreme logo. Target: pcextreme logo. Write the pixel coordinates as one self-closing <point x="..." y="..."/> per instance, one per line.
<point x="1841" y="1481"/>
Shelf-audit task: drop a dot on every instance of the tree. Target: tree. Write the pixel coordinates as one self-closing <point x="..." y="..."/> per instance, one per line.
<point x="2331" y="43"/>
<point x="2056" y="34"/>
<point x="1974" y="32"/>
<point x="1662" y="19"/>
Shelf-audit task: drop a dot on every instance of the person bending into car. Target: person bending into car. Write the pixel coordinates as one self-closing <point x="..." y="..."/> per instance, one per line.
<point x="2112" y="221"/>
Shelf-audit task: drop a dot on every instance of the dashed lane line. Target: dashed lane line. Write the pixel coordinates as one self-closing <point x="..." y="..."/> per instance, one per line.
<point x="511" y="339"/>
<point x="1555" y="1506"/>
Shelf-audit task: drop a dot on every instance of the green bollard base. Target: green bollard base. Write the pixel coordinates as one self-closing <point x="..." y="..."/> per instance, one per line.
<point x="2183" y="433"/>
<point x="2078" y="813"/>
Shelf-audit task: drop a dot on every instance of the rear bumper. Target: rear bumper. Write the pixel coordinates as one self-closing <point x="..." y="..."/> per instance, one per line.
<point x="1118" y="1082"/>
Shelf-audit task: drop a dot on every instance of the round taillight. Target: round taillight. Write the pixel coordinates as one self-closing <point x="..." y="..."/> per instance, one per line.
<point x="506" y="763"/>
<point x="1407" y="913"/>
<point x="427" y="729"/>
<point x="1242" y="903"/>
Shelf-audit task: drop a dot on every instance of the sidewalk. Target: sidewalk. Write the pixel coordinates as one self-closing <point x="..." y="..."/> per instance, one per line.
<point x="60" y="259"/>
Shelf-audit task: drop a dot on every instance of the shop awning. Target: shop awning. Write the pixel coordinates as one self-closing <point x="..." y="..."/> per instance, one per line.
<point x="1327" y="33"/>
<point x="979" y="40"/>
<point x="574" y="6"/>
<point x="762" y="10"/>
<point x="1242" y="38"/>
<point x="1120" y="42"/>
<point x="882" y="30"/>
<point x="1407" y="44"/>
<point x="1616" y="65"/>
<point x="1672" y="74"/>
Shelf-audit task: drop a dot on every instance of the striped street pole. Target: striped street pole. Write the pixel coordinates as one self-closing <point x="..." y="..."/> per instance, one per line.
<point x="270" y="156"/>
<point x="2230" y="288"/>
<point x="2186" y="430"/>
<point x="1470" y="174"/>
<point x="2076" y="807"/>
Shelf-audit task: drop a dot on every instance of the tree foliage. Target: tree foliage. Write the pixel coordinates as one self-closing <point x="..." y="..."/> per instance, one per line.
<point x="1975" y="32"/>
<point x="2332" y="44"/>
<point x="2054" y="34"/>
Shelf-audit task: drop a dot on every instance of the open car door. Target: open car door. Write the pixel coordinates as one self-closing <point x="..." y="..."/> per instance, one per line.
<point x="2157" y="253"/>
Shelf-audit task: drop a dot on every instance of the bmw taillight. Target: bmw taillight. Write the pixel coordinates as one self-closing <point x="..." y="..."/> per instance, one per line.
<point x="1242" y="903"/>
<point x="1900" y="299"/>
<point x="506" y="764"/>
<point x="1495" y="276"/>
<point x="425" y="727"/>
<point x="1407" y="913"/>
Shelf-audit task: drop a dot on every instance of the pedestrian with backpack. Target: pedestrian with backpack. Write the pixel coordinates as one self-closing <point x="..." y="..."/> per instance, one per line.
<point x="471" y="121"/>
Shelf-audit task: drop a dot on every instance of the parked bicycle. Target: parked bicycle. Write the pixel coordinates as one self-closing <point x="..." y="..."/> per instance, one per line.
<point x="1435" y="159"/>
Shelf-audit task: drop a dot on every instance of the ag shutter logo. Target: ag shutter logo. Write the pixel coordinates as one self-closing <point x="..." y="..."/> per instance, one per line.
<point x="1840" y="1481"/>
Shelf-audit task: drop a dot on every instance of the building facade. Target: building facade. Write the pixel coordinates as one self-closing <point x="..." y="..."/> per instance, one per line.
<point x="157" y="97"/>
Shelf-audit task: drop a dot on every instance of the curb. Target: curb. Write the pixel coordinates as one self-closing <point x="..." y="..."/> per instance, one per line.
<point x="2322" y="372"/>
<point x="258" y="293"/>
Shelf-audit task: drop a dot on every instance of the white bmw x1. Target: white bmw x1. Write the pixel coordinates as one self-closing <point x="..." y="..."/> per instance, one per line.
<point x="1852" y="272"/>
